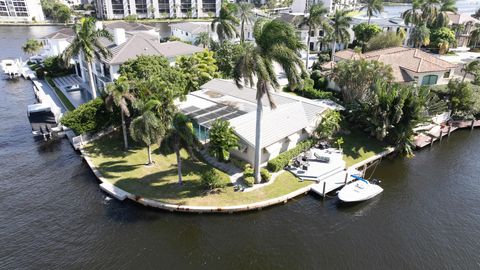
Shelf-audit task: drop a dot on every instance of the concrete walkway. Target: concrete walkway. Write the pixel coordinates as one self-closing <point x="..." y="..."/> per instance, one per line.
<point x="232" y="171"/>
<point x="77" y="97"/>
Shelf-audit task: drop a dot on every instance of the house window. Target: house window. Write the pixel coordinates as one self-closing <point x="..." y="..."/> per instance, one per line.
<point x="429" y="80"/>
<point x="446" y="74"/>
<point x="312" y="33"/>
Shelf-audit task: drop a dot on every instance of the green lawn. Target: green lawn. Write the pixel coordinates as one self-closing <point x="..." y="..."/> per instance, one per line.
<point x="127" y="170"/>
<point x="358" y="146"/>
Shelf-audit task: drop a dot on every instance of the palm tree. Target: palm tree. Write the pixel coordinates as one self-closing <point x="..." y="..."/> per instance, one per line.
<point x="276" y="41"/>
<point x="372" y="7"/>
<point x="475" y="36"/>
<point x="412" y="16"/>
<point x="181" y="135"/>
<point x="246" y="15"/>
<point x="203" y="39"/>
<point x="317" y="17"/>
<point x="341" y="24"/>
<point x="471" y="68"/>
<point x="225" y="24"/>
<point x="32" y="46"/>
<point x="429" y="11"/>
<point x="147" y="128"/>
<point x="420" y="36"/>
<point x="442" y="19"/>
<point x="87" y="44"/>
<point x="119" y="94"/>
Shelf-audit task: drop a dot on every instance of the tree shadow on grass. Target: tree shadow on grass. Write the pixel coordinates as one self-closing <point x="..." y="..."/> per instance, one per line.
<point x="357" y="141"/>
<point x="111" y="145"/>
<point x="117" y="166"/>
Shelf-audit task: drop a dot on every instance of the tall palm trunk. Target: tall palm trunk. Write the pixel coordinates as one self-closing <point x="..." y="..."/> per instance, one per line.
<point x="308" y="47"/>
<point x="92" y="83"/>
<point x="179" y="163"/>
<point x="258" y="141"/>
<point x="334" y="44"/>
<point x="464" y="75"/>
<point x="150" y="162"/>
<point x="242" y="32"/>
<point x="369" y="17"/>
<point x="124" y="129"/>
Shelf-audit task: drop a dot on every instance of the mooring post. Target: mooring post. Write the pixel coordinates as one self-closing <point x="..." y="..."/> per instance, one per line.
<point x="431" y="141"/>
<point x="346" y="177"/>
<point x="473" y="124"/>
<point x="449" y="130"/>
<point x="441" y="135"/>
<point x="324" y="186"/>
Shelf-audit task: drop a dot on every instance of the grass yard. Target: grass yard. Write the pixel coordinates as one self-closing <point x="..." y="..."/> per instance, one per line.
<point x="358" y="146"/>
<point x="69" y="106"/>
<point x="127" y="170"/>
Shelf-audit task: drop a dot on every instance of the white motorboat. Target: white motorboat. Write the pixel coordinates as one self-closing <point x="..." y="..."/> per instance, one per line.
<point x="360" y="190"/>
<point x="11" y="68"/>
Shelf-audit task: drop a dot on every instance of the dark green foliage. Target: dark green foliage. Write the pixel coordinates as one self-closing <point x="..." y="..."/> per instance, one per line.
<point x="461" y="97"/>
<point x="248" y="177"/>
<point x="384" y="40"/>
<point x="282" y="160"/>
<point x="227" y="54"/>
<point x="54" y="66"/>
<point x="155" y="68"/>
<point x="320" y="82"/>
<point x="309" y="92"/>
<point x="265" y="175"/>
<point x="212" y="179"/>
<point x="249" y="181"/>
<point x="329" y="125"/>
<point x="222" y="140"/>
<point x="364" y="32"/>
<point x="55" y="10"/>
<point x="92" y="116"/>
<point x="40" y="72"/>
<point x="440" y="35"/>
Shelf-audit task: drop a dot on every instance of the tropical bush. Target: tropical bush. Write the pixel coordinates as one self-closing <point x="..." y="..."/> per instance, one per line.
<point x="329" y="125"/>
<point x="227" y="54"/>
<point x="364" y="32"/>
<point x="442" y="38"/>
<point x="212" y="179"/>
<point x="282" y="160"/>
<point x="320" y="82"/>
<point x="384" y="40"/>
<point x="249" y="181"/>
<point x="309" y="92"/>
<point x="355" y="78"/>
<point x="198" y="69"/>
<point x="461" y="97"/>
<point x="92" y="116"/>
<point x="265" y="175"/>
<point x="54" y="66"/>
<point x="222" y="140"/>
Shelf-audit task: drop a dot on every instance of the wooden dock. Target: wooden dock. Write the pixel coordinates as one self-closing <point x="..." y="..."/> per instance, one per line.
<point x="436" y="134"/>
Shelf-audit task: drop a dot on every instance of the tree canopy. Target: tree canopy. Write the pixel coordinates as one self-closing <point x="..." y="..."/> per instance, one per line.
<point x="198" y="69"/>
<point x="364" y="32"/>
<point x="384" y="40"/>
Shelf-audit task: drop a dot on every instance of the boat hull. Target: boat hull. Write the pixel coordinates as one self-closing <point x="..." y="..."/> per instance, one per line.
<point x="359" y="191"/>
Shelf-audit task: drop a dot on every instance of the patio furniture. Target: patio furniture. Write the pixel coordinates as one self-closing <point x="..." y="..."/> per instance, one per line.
<point x="322" y="158"/>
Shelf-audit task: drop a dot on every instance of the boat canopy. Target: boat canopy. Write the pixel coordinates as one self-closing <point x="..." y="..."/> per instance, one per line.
<point x="360" y="178"/>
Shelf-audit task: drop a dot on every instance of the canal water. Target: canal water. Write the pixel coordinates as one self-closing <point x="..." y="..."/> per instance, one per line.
<point x="53" y="214"/>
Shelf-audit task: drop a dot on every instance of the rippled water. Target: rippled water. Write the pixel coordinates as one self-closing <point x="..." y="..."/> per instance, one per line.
<point x="53" y="215"/>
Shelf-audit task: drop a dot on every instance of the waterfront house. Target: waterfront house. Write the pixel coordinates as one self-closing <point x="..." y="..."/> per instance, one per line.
<point x="294" y="119"/>
<point x="409" y="65"/>
<point x="464" y="25"/>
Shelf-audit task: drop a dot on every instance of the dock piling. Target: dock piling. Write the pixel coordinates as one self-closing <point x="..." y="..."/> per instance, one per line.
<point x="473" y="124"/>
<point x="441" y="135"/>
<point x="431" y="142"/>
<point x="324" y="187"/>
<point x="449" y="130"/>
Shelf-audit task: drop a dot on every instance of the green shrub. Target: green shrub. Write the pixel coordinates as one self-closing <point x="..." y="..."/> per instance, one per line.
<point x="249" y="181"/>
<point x="54" y="67"/>
<point x="265" y="175"/>
<point x="309" y="92"/>
<point x="40" y="73"/>
<point x="329" y="125"/>
<point x="320" y="82"/>
<point x="212" y="179"/>
<point x="222" y="140"/>
<point x="284" y="158"/>
<point x="92" y="116"/>
<point x="248" y="171"/>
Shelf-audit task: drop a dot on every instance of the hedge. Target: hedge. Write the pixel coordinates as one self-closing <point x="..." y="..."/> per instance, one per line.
<point x="284" y="158"/>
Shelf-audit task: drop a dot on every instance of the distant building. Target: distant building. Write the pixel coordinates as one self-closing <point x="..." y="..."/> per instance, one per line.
<point x="294" y="119"/>
<point x="21" y="11"/>
<point x="189" y="31"/>
<point x="467" y="24"/>
<point x="301" y="6"/>
<point x="409" y="65"/>
<point x="119" y="9"/>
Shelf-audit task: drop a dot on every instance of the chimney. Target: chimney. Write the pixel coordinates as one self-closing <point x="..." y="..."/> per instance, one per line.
<point x="119" y="36"/>
<point x="98" y="25"/>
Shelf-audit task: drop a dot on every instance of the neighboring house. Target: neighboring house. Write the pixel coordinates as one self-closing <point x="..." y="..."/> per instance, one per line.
<point x="189" y="31"/>
<point x="317" y="36"/>
<point x="467" y="25"/>
<point x="409" y="65"/>
<point x="294" y="119"/>
<point x="56" y="42"/>
<point x="387" y="24"/>
<point x="298" y="6"/>
<point x="119" y="9"/>
<point x="21" y="11"/>
<point x="127" y="46"/>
